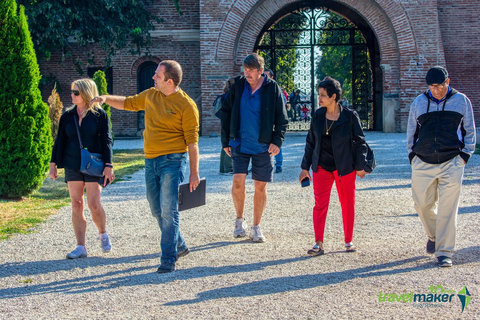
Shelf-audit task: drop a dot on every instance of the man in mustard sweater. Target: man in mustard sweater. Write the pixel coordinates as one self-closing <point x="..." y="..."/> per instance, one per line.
<point x="171" y="129"/>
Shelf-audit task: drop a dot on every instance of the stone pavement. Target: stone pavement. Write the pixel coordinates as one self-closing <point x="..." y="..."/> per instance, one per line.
<point x="227" y="278"/>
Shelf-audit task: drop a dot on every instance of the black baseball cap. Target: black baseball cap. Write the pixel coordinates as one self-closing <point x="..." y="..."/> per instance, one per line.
<point x="437" y="74"/>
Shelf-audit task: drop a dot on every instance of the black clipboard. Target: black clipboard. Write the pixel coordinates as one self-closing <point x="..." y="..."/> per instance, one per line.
<point x="188" y="200"/>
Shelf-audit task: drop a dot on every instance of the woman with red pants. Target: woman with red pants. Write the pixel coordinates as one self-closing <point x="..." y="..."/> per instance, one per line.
<point x="335" y="150"/>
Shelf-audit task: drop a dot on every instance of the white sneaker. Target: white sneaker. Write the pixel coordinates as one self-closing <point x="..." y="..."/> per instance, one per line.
<point x="79" y="252"/>
<point x="240" y="226"/>
<point x="105" y="242"/>
<point x="256" y="234"/>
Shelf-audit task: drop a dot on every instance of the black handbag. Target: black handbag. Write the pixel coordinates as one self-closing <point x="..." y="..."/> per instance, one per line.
<point x="370" y="157"/>
<point x="90" y="163"/>
<point x="371" y="162"/>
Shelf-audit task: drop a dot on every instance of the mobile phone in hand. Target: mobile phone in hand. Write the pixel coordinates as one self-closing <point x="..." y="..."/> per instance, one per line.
<point x="101" y="180"/>
<point x="305" y="182"/>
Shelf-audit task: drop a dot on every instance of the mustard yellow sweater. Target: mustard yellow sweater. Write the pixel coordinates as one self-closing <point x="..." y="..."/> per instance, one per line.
<point x="171" y="122"/>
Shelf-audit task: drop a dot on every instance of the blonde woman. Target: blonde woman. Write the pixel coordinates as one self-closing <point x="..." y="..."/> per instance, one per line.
<point x="95" y="134"/>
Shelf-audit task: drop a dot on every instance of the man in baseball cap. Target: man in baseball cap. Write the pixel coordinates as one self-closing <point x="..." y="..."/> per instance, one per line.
<point x="440" y="140"/>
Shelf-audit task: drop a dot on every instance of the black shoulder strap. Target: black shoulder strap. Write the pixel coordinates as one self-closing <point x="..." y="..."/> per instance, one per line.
<point x="78" y="131"/>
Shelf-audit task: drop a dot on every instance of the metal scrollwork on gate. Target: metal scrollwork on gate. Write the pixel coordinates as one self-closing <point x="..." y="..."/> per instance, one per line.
<point x="306" y="45"/>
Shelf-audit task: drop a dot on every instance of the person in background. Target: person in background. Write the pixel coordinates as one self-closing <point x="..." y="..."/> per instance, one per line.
<point x="171" y="129"/>
<point x="254" y="122"/>
<point x="333" y="157"/>
<point x="225" y="160"/>
<point x="94" y="127"/>
<point x="440" y="140"/>
<point x="295" y="101"/>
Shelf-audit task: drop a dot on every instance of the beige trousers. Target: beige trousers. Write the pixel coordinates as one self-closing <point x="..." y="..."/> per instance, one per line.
<point x="436" y="192"/>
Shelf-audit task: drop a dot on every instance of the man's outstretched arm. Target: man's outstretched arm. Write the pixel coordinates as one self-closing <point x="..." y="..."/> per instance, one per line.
<point x="118" y="102"/>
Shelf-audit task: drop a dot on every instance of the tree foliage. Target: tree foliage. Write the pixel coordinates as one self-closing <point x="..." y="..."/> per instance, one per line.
<point x="101" y="81"/>
<point x="336" y="62"/>
<point x="25" y="136"/>
<point x="113" y="24"/>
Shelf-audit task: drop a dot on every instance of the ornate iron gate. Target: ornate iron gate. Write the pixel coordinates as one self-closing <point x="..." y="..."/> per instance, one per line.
<point x="311" y="43"/>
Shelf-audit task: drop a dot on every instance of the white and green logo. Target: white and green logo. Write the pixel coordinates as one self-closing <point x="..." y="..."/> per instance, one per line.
<point x="437" y="297"/>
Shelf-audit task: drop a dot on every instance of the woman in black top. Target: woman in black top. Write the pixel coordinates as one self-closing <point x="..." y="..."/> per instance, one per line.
<point x="335" y="150"/>
<point x="94" y="127"/>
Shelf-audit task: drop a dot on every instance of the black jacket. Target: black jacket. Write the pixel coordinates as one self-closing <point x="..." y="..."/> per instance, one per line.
<point x="348" y="142"/>
<point x="437" y="133"/>
<point x="273" y="115"/>
<point x="97" y="140"/>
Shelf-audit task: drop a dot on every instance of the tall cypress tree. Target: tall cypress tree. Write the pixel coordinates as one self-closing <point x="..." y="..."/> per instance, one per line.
<point x="25" y="137"/>
<point x="101" y="81"/>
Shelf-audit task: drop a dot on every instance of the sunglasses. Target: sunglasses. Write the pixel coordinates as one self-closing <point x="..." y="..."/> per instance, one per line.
<point x="75" y="92"/>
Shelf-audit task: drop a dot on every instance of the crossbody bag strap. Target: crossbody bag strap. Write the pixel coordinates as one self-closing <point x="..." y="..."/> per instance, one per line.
<point x="78" y="131"/>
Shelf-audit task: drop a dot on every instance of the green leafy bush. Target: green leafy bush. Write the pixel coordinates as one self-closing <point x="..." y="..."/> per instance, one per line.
<point x="101" y="81"/>
<point x="25" y="136"/>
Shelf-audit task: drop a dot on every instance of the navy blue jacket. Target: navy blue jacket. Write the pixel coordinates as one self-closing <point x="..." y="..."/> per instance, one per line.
<point x="96" y="137"/>
<point x="273" y="115"/>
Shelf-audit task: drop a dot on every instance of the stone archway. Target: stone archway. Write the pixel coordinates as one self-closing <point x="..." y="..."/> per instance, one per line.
<point x="403" y="56"/>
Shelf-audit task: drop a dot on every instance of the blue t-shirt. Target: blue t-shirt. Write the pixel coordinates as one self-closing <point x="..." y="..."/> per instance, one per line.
<point x="250" y="122"/>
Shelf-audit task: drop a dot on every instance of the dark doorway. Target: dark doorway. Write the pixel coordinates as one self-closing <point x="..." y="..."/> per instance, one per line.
<point x="307" y="41"/>
<point x="144" y="81"/>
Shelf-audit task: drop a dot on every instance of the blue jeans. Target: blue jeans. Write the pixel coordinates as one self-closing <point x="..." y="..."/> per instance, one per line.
<point x="279" y="159"/>
<point x="162" y="177"/>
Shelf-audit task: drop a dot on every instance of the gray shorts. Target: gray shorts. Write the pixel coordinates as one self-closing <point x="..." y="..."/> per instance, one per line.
<point x="262" y="164"/>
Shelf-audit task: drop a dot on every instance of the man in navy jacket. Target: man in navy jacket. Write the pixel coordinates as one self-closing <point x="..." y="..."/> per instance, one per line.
<point x="254" y="121"/>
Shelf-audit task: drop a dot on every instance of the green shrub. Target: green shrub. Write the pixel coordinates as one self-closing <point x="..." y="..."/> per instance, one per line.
<point x="55" y="111"/>
<point x="101" y="82"/>
<point x="25" y="136"/>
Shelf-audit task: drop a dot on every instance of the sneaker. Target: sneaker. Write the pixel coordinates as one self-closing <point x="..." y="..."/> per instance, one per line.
<point x="278" y="169"/>
<point x="256" y="234"/>
<point x="316" y="251"/>
<point x="105" y="243"/>
<point x="350" y="247"/>
<point x="240" y="226"/>
<point x="430" y="246"/>
<point x="183" y="253"/>
<point x="166" y="267"/>
<point x="444" y="261"/>
<point x="79" y="252"/>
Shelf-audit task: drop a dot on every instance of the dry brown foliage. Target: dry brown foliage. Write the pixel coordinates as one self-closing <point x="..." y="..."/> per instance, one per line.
<point x="55" y="110"/>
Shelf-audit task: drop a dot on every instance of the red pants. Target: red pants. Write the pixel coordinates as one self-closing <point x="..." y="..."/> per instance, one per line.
<point x="322" y="186"/>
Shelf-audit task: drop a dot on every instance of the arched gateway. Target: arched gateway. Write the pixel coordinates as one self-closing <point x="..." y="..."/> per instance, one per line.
<point x="396" y="52"/>
<point x="304" y="44"/>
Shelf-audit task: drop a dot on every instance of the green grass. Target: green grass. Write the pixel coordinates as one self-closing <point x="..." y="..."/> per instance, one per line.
<point x="20" y="216"/>
<point x="477" y="148"/>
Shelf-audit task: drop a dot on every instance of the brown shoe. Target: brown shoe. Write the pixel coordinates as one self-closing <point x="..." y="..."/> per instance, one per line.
<point x="316" y="251"/>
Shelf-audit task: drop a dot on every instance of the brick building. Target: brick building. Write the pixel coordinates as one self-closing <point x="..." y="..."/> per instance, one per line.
<point x="212" y="37"/>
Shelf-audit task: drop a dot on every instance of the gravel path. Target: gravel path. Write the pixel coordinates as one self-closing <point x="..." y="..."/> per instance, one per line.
<point x="226" y="278"/>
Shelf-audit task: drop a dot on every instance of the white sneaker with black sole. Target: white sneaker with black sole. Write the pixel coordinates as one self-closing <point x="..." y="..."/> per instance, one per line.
<point x="240" y="226"/>
<point x="105" y="242"/>
<point x="256" y="234"/>
<point x="79" y="252"/>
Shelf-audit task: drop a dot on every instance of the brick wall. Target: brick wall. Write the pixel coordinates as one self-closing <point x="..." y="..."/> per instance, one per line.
<point x="460" y="33"/>
<point x="165" y="45"/>
<point x="412" y="36"/>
